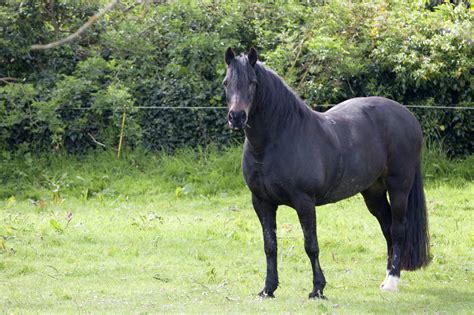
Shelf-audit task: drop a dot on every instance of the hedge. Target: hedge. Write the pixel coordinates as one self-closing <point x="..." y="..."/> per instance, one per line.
<point x="169" y="54"/>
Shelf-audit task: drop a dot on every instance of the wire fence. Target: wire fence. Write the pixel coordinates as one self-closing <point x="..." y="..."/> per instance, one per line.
<point x="436" y="107"/>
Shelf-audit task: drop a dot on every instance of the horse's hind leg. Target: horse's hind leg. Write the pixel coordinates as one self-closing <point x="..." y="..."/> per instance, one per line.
<point x="398" y="191"/>
<point x="375" y="198"/>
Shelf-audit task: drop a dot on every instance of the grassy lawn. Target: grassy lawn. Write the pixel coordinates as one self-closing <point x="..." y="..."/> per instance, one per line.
<point x="144" y="243"/>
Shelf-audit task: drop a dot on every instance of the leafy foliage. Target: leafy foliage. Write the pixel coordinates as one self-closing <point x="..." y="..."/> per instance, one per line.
<point x="170" y="55"/>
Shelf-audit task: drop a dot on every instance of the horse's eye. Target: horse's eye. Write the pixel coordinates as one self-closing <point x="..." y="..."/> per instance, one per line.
<point x="225" y="83"/>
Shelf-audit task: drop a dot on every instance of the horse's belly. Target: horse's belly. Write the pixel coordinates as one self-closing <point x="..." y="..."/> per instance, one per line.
<point x="354" y="180"/>
<point x="344" y="190"/>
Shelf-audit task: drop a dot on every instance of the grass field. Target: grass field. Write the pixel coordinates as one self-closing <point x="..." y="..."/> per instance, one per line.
<point x="177" y="233"/>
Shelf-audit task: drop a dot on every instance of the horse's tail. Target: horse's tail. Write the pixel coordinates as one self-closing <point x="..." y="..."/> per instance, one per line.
<point x="417" y="244"/>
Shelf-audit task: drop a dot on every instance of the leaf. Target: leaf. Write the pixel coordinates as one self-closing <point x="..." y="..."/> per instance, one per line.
<point x="56" y="226"/>
<point x="178" y="192"/>
<point x="183" y="191"/>
<point x="161" y="278"/>
<point x="2" y="244"/>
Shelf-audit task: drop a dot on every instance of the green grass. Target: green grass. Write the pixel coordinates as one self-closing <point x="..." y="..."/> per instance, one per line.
<point x="160" y="233"/>
<point x="101" y="175"/>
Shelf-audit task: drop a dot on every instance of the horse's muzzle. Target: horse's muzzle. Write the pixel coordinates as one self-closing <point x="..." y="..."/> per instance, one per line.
<point x="237" y="120"/>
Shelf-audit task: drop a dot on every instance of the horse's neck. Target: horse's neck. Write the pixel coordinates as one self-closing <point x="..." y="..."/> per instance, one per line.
<point x="271" y="117"/>
<point x="258" y="132"/>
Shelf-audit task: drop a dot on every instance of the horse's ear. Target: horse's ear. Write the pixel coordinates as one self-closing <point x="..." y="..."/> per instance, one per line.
<point x="229" y="55"/>
<point x="253" y="56"/>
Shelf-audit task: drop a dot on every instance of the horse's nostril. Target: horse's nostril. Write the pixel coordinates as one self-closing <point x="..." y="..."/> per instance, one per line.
<point x="237" y="119"/>
<point x="236" y="116"/>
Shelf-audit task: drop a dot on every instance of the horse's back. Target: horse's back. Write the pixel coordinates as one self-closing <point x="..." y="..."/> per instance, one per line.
<point x="371" y="105"/>
<point x="384" y="117"/>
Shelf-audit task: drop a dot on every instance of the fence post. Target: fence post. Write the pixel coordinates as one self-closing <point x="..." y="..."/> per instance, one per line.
<point x="122" y="131"/>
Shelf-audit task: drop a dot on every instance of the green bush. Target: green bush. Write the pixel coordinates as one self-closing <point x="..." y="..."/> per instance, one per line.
<point x="170" y="55"/>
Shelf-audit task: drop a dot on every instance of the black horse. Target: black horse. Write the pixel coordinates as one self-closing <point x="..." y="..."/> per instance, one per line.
<point x="301" y="158"/>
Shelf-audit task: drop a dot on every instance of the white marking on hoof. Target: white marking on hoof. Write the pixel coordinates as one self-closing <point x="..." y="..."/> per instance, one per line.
<point x="391" y="284"/>
<point x="384" y="280"/>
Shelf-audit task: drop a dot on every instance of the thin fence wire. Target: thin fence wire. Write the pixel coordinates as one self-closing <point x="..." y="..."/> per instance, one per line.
<point x="318" y="106"/>
<point x="440" y="107"/>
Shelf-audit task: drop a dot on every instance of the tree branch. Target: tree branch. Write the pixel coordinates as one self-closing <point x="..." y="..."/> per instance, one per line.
<point x="8" y="79"/>
<point x="95" y="141"/>
<point x="81" y="30"/>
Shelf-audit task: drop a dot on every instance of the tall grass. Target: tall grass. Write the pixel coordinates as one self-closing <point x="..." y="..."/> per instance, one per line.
<point x="438" y="167"/>
<point x="100" y="174"/>
<point x="187" y="172"/>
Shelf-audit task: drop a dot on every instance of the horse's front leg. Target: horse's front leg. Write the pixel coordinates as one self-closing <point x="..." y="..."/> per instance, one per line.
<point x="266" y="213"/>
<point x="307" y="216"/>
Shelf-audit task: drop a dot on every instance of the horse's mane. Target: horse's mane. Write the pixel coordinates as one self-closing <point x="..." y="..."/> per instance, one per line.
<point x="275" y="97"/>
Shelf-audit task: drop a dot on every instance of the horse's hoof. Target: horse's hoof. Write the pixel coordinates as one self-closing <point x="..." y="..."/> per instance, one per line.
<point x="265" y="295"/>
<point x="318" y="294"/>
<point x="390" y="284"/>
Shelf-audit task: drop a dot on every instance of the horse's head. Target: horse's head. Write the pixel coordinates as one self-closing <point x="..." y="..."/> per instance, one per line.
<point x="240" y="86"/>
